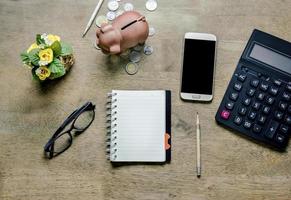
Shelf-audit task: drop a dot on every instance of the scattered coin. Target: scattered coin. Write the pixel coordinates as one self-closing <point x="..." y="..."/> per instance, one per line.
<point x="152" y="31"/>
<point x="110" y="15"/>
<point x="131" y="68"/>
<point x="119" y="12"/>
<point x="96" y="46"/>
<point x="125" y="53"/>
<point x="114" y="59"/>
<point x="101" y="20"/>
<point x="138" y="47"/>
<point x="134" y="56"/>
<point x="128" y="7"/>
<point x="113" y="5"/>
<point x="148" y="50"/>
<point x="151" y="5"/>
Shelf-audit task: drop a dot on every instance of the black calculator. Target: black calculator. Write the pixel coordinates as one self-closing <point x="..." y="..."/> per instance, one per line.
<point x="257" y="100"/>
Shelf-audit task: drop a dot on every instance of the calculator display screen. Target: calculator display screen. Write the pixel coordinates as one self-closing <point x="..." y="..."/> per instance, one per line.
<point x="272" y="58"/>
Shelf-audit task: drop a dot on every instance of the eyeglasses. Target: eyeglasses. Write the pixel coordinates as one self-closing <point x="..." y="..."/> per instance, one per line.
<point x="62" y="139"/>
<point x="142" y="18"/>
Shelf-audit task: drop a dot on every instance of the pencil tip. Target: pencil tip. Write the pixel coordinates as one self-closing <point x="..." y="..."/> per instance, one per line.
<point x="198" y="176"/>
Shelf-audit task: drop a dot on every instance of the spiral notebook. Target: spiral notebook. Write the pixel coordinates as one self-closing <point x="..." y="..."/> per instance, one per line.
<point x="139" y="126"/>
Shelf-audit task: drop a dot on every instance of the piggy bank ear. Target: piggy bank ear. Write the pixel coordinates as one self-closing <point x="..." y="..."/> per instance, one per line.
<point x="115" y="49"/>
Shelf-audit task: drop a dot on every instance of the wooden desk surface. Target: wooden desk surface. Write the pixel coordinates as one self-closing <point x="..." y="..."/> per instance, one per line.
<point x="233" y="167"/>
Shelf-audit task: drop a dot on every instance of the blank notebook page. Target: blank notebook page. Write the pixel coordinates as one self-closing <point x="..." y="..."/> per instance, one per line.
<point x="140" y="125"/>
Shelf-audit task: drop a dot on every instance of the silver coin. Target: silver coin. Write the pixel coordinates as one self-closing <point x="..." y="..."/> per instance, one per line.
<point x="134" y="56"/>
<point x="96" y="46"/>
<point x="138" y="47"/>
<point x="152" y="31"/>
<point x="131" y="68"/>
<point x="148" y="50"/>
<point x="151" y="5"/>
<point x="119" y="12"/>
<point x="128" y="7"/>
<point x="101" y="20"/>
<point x="112" y="5"/>
<point x="110" y="15"/>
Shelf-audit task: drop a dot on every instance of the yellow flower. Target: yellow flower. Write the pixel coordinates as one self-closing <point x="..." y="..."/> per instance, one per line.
<point x="33" y="46"/>
<point x="45" y="56"/>
<point x="53" y="38"/>
<point x="43" y="73"/>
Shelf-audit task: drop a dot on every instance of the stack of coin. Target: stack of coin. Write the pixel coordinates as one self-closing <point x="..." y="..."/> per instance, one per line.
<point x="101" y="20"/>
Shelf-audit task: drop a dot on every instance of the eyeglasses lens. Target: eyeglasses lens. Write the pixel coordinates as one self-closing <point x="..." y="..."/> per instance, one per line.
<point x="84" y="119"/>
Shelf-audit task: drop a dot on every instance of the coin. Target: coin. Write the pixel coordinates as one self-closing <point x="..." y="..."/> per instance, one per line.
<point x="125" y="53"/>
<point x="134" y="56"/>
<point x="131" y="68"/>
<point x="110" y="15"/>
<point x="96" y="46"/>
<point x="152" y="31"/>
<point x="114" y="59"/>
<point x="101" y="20"/>
<point x="148" y="50"/>
<point x="113" y="5"/>
<point x="119" y="12"/>
<point x="128" y="7"/>
<point x="151" y="5"/>
<point x="138" y="47"/>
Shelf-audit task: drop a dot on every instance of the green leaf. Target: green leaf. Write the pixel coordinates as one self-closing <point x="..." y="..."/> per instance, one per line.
<point x="57" y="69"/>
<point x="25" y="58"/>
<point x="39" y="40"/>
<point x="33" y="56"/>
<point x="66" y="49"/>
<point x="57" y="49"/>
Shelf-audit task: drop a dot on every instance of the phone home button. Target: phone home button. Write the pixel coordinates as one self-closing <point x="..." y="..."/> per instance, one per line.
<point x="196" y="96"/>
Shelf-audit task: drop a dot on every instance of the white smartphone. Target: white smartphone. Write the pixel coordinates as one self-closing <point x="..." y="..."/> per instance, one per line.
<point x="198" y="66"/>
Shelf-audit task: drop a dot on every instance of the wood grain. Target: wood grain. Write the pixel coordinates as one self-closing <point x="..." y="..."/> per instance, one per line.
<point x="232" y="167"/>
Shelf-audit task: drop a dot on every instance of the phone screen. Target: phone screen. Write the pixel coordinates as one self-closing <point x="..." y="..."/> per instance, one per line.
<point x="198" y="66"/>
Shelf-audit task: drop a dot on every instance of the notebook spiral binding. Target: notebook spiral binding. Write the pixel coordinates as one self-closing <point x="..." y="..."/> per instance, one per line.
<point x="111" y="135"/>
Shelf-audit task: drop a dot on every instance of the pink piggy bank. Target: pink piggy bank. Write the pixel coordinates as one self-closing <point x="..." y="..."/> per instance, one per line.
<point x="126" y="31"/>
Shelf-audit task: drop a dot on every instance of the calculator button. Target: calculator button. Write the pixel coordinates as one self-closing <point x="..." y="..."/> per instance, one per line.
<point x="255" y="82"/>
<point x="237" y="120"/>
<point x="242" y="110"/>
<point x="247" y="101"/>
<point x="272" y="128"/>
<point x="262" y="119"/>
<point x="282" y="105"/>
<point x="242" y="77"/>
<point x="229" y="105"/>
<point x="264" y="86"/>
<point x="233" y="96"/>
<point x="261" y="96"/>
<point x="237" y="86"/>
<point x="280" y="138"/>
<point x="266" y="110"/>
<point x="288" y="87"/>
<point x="257" y="128"/>
<point x="277" y="82"/>
<point x="251" y="92"/>
<point x="284" y="128"/>
<point x="225" y="114"/>
<point x="288" y="120"/>
<point x="247" y="124"/>
<point x="256" y="105"/>
<point x="279" y="115"/>
<point x="273" y="91"/>
<point x="252" y="115"/>
<point x="270" y="100"/>
<point x="286" y="96"/>
<point x="289" y="109"/>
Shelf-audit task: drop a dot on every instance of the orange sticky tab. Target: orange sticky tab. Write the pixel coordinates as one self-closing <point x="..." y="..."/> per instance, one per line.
<point x="167" y="139"/>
